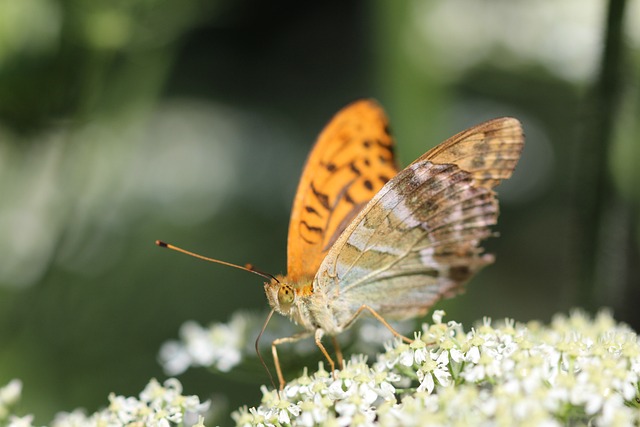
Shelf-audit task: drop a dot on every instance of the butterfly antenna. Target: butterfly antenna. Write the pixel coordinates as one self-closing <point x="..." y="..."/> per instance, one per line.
<point x="251" y="268"/>
<point x="247" y="267"/>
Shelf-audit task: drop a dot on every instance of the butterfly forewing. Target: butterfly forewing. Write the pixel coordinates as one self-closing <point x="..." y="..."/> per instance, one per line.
<point x="351" y="161"/>
<point x="418" y="239"/>
<point x="489" y="151"/>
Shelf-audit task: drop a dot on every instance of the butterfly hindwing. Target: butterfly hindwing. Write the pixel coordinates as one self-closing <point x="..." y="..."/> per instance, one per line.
<point x="418" y="239"/>
<point x="350" y="162"/>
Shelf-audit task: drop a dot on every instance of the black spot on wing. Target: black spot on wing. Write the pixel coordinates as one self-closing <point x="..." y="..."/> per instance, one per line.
<point x="313" y="230"/>
<point x="310" y="228"/>
<point x="349" y="199"/>
<point x="460" y="273"/>
<point x="387" y="145"/>
<point x="311" y="210"/>
<point x="322" y="198"/>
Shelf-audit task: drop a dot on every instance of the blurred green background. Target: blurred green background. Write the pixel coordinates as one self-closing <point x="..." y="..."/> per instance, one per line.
<point x="126" y="121"/>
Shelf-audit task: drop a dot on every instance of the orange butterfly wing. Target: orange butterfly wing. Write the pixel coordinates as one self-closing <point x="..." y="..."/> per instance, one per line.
<point x="351" y="161"/>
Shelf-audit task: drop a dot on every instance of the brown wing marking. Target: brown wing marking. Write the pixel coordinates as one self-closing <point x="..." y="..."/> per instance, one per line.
<point x="489" y="151"/>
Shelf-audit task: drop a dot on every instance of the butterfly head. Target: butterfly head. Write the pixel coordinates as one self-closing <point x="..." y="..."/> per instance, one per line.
<point x="281" y="296"/>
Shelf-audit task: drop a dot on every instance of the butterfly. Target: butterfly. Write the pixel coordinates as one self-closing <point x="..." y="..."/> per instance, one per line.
<point x="366" y="237"/>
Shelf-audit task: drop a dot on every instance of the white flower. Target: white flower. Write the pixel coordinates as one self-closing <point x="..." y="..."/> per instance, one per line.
<point x="10" y="393"/>
<point x="219" y="346"/>
<point x="434" y="369"/>
<point x="437" y="316"/>
<point x="284" y="409"/>
<point x="76" y="418"/>
<point x="473" y="355"/>
<point x="174" y="357"/>
<point x="125" y="409"/>
<point x="25" y="421"/>
<point x="405" y="357"/>
<point x="420" y="351"/>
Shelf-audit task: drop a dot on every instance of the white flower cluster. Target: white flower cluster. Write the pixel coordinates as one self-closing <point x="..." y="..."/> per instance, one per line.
<point x="577" y="371"/>
<point x="220" y="346"/>
<point x="158" y="406"/>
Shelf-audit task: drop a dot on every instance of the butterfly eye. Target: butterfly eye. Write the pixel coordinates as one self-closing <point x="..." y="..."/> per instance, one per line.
<point x="285" y="295"/>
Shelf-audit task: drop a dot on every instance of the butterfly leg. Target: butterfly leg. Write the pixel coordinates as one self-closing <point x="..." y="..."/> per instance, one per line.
<point x="336" y="346"/>
<point x="332" y="365"/>
<point x="380" y="319"/>
<point x="274" y="352"/>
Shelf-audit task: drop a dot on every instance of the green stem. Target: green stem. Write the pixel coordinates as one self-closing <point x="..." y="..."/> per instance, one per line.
<point x="594" y="189"/>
